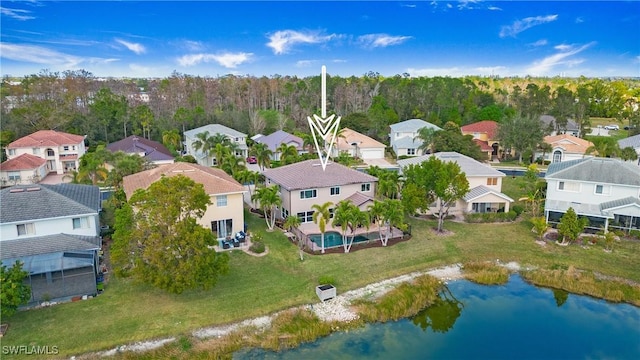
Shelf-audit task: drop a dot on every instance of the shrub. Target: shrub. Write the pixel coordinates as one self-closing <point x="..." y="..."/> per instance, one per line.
<point x="634" y="234"/>
<point x="490" y="217"/>
<point x="257" y="247"/>
<point x="519" y="209"/>
<point x="326" y="279"/>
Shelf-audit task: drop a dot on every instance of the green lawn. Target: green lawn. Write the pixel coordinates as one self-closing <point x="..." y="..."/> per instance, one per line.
<point x="129" y="312"/>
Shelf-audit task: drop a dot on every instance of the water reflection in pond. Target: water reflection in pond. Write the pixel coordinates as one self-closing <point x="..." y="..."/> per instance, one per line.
<point x="514" y="321"/>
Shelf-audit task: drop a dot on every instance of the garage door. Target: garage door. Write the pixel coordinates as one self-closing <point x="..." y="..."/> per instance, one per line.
<point x="372" y="153"/>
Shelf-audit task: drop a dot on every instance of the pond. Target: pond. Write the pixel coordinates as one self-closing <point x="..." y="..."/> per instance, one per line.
<point x="514" y="321"/>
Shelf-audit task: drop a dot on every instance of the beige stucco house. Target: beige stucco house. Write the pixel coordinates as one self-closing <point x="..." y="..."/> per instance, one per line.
<point x="358" y="145"/>
<point x="225" y="214"/>
<point x="61" y="151"/>
<point x="565" y="147"/>
<point x="22" y="170"/>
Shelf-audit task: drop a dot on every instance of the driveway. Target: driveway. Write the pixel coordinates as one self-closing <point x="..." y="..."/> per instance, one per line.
<point x="53" y="179"/>
<point x="383" y="163"/>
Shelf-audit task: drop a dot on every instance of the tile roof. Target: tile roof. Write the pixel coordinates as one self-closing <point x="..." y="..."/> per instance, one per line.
<point x="568" y="143"/>
<point x="482" y="190"/>
<point x="351" y="136"/>
<point x="632" y="141"/>
<point x="22" y="162"/>
<point x="215" y="181"/>
<point x="41" y="201"/>
<point x="411" y="125"/>
<point x="214" y="129"/>
<point x="46" y="138"/>
<point x="486" y="126"/>
<point x="38" y="245"/>
<point x="468" y="165"/>
<point x="358" y="199"/>
<point x="153" y="151"/>
<point x="280" y="137"/>
<point x="484" y="146"/>
<point x="596" y="169"/>
<point x="309" y="174"/>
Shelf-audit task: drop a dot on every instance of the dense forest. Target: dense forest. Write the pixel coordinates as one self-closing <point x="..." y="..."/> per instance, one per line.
<point x="106" y="110"/>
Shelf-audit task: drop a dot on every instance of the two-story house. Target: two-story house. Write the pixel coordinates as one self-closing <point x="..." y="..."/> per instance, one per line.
<point x="151" y="151"/>
<point x="234" y="136"/>
<point x="54" y="231"/>
<point x="485" y="184"/>
<point x="61" y="151"/>
<point x="276" y="139"/>
<point x="605" y="191"/>
<point x="485" y="135"/>
<point x="402" y="137"/>
<point x="224" y="216"/>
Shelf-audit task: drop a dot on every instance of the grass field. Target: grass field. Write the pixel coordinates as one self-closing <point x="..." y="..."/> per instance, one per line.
<point x="127" y="312"/>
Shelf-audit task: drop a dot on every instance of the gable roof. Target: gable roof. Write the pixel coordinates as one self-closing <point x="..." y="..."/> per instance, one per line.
<point x="618" y="203"/>
<point x="22" y="162"/>
<point x="38" y="245"/>
<point x="632" y="141"/>
<point x="595" y="169"/>
<point x="279" y="137"/>
<point x="153" y="151"/>
<point x="483" y="145"/>
<point x="358" y="199"/>
<point x="46" y="138"/>
<point x="215" y="181"/>
<point x="467" y="165"/>
<point x="480" y="191"/>
<point x="351" y="136"/>
<point x="214" y="129"/>
<point x="488" y="127"/>
<point x="411" y="125"/>
<point x="309" y="174"/>
<point x="35" y="202"/>
<point x="548" y="120"/>
<point x="568" y="143"/>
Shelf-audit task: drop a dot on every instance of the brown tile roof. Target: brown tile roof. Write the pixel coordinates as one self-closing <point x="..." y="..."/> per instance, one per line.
<point x="568" y="143"/>
<point x="215" y="181"/>
<point x="22" y="162"/>
<point x="358" y="199"/>
<point x="47" y="138"/>
<point x="309" y="174"/>
<point x="486" y="126"/>
<point x="484" y="146"/>
<point x="350" y="136"/>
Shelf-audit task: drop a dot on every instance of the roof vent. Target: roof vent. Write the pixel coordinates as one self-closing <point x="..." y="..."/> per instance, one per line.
<point x="33" y="189"/>
<point x="16" y="190"/>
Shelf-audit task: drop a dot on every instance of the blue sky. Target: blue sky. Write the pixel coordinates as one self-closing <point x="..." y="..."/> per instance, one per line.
<point x="265" y="38"/>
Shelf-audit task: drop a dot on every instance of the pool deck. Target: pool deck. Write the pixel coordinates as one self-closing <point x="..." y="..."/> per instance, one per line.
<point x="311" y="228"/>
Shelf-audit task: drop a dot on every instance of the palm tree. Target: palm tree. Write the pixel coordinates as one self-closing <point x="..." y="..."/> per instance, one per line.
<point x="232" y="164"/>
<point x="321" y="216"/>
<point x="342" y="217"/>
<point x="246" y="176"/>
<point x="377" y="212"/>
<point x="269" y="199"/>
<point x="220" y="150"/>
<point x="388" y="184"/>
<point x="545" y="148"/>
<point x="263" y="155"/>
<point x="427" y="135"/>
<point x="357" y="218"/>
<point x="172" y="140"/>
<point x="92" y="166"/>
<point x="288" y="153"/>
<point x="293" y="222"/>
<point x="394" y="217"/>
<point x="307" y="142"/>
<point x="204" y="144"/>
<point x="628" y="153"/>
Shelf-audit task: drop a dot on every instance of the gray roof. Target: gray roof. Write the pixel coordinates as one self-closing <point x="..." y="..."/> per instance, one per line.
<point x="309" y="174"/>
<point x="548" y="119"/>
<point x="152" y="150"/>
<point x="596" y="169"/>
<point x="632" y="141"/>
<point x="13" y="249"/>
<point x="279" y="137"/>
<point x="407" y="142"/>
<point x="41" y="201"/>
<point x="411" y="125"/>
<point x="468" y="165"/>
<point x="482" y="190"/>
<point x="214" y="129"/>
<point x="619" y="203"/>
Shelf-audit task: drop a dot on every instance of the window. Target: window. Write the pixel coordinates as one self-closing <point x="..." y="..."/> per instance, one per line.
<point x="603" y="189"/>
<point x="285" y="213"/>
<point x="238" y="152"/>
<point x="492" y="181"/>
<point x="221" y="200"/>
<point x="26" y="229"/>
<point x="65" y="148"/>
<point x="308" y="194"/>
<point x="568" y="186"/>
<point x="73" y="147"/>
<point x="305" y="217"/>
<point x="50" y="152"/>
<point x="331" y="213"/>
<point x="365" y="187"/>
<point x="35" y="151"/>
<point x="335" y="190"/>
<point x="411" y="151"/>
<point x="80" y="223"/>
<point x="12" y="151"/>
<point x="237" y="139"/>
<point x="14" y="175"/>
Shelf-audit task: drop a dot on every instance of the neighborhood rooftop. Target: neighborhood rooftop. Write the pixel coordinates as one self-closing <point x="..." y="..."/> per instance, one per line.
<point x="46" y="138"/>
<point x="488" y="127"/>
<point x="38" y="245"/>
<point x="153" y="151"/>
<point x="468" y="165"/>
<point x="279" y="137"/>
<point x="412" y="125"/>
<point x="600" y="170"/>
<point x="214" y="129"/>
<point x="22" y="162"/>
<point x="633" y="141"/>
<point x="309" y="174"/>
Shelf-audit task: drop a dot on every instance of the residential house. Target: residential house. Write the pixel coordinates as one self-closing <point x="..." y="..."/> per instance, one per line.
<point x="61" y="151"/>
<point x="274" y="140"/>
<point x="150" y="150"/>
<point x="564" y="147"/>
<point x="54" y="231"/>
<point x="225" y="214"/>
<point x="551" y="126"/>
<point x="358" y="145"/>
<point x="402" y="137"/>
<point x="485" y="184"/>
<point x="234" y="136"/>
<point x="23" y="169"/>
<point x="603" y="190"/>
<point x="485" y="135"/>
<point x="305" y="183"/>
<point x="632" y="142"/>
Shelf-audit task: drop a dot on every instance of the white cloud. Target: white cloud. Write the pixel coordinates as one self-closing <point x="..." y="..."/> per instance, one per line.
<point x="521" y="25"/>
<point x="282" y="41"/>
<point x="135" y="47"/>
<point x="579" y="20"/>
<point x="546" y="66"/>
<point x="459" y="71"/>
<point x="305" y="63"/>
<point x="17" y="14"/>
<point x="409" y="5"/>
<point x="494" y="8"/>
<point x="193" y="45"/>
<point x="541" y="42"/>
<point x="228" y="60"/>
<point x="50" y="58"/>
<point x="381" y="40"/>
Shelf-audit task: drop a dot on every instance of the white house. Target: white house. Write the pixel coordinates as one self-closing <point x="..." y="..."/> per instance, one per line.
<point x="54" y="231"/>
<point x="234" y="136"/>
<point x="402" y="137"/>
<point x="62" y="151"/>
<point x="605" y="191"/>
<point x="564" y="147"/>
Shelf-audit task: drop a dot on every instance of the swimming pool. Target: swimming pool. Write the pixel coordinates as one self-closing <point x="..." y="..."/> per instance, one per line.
<point x="334" y="238"/>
